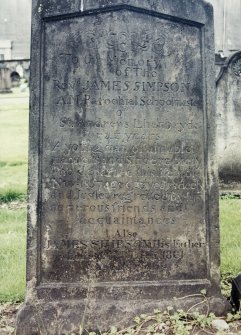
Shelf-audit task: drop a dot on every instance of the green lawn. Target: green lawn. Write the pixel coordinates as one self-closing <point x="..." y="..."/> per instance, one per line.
<point x="12" y="254"/>
<point x="13" y="185"/>
<point x="14" y="147"/>
<point x="230" y="226"/>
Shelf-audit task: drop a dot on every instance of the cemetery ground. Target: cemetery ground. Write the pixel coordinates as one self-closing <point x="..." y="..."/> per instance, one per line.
<point x="13" y="181"/>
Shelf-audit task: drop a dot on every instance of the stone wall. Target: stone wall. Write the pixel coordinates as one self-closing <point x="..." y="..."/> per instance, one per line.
<point x="15" y="26"/>
<point x="227" y="20"/>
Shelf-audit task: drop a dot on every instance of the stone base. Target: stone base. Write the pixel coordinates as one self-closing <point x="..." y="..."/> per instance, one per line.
<point x="66" y="317"/>
<point x="233" y="189"/>
<point x="230" y="184"/>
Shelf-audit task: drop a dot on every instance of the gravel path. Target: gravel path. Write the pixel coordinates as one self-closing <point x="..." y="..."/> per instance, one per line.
<point x="7" y="318"/>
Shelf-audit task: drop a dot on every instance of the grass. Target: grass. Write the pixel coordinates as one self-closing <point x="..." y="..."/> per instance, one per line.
<point x="14" y="133"/>
<point x="13" y="185"/>
<point x="12" y="254"/>
<point x="14" y="146"/>
<point x="230" y="226"/>
<point x="12" y="195"/>
<point x="13" y="179"/>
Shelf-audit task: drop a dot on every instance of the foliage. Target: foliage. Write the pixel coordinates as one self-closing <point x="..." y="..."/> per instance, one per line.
<point x="233" y="317"/>
<point x="226" y="284"/>
<point x="170" y="322"/>
<point x="230" y="196"/>
<point x="11" y="195"/>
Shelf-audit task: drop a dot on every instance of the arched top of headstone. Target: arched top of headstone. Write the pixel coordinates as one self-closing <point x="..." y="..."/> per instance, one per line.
<point x="232" y="63"/>
<point x="198" y="11"/>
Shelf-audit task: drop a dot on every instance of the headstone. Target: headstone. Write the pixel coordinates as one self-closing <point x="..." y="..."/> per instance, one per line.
<point x="229" y="124"/>
<point x="5" y="80"/>
<point x="123" y="213"/>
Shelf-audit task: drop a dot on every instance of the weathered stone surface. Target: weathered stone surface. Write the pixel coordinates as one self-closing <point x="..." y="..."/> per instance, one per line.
<point x="229" y="123"/>
<point x="123" y="209"/>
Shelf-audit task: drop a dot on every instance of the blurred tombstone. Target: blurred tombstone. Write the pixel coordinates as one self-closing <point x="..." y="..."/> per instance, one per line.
<point x="229" y="124"/>
<point x="5" y="80"/>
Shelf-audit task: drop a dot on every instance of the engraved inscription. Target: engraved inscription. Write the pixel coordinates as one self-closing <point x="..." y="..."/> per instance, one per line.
<point x="123" y="158"/>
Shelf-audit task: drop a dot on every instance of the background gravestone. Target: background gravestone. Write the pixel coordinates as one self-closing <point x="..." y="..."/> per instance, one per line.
<point x="5" y="80"/>
<point x="123" y="212"/>
<point x="229" y="124"/>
